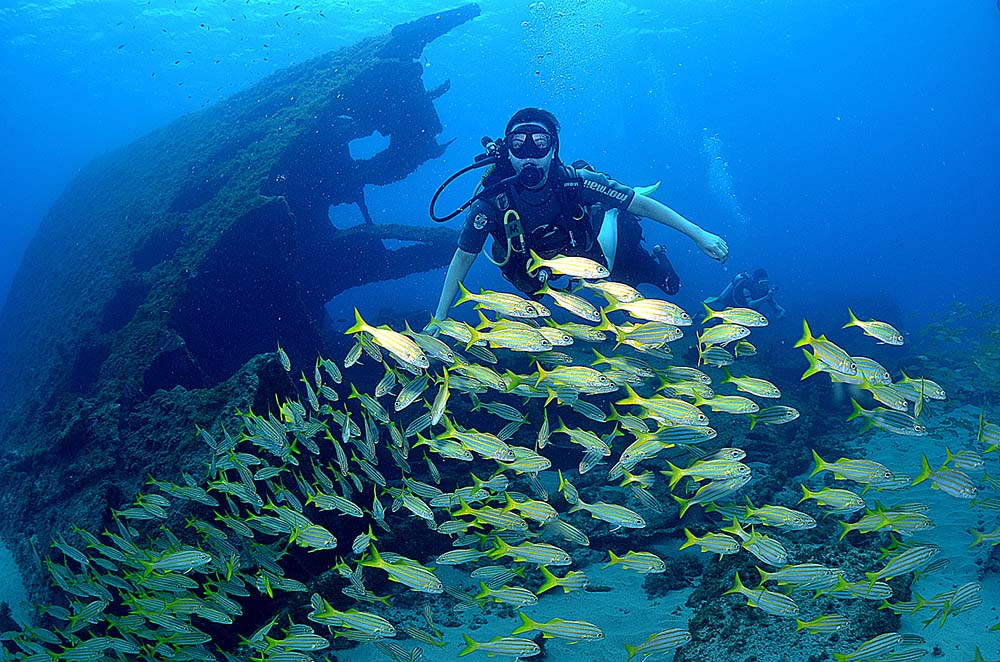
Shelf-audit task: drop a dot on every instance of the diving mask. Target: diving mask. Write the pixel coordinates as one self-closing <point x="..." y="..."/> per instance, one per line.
<point x="530" y="141"/>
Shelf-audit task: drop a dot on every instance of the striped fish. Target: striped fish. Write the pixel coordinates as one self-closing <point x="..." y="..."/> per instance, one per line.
<point x="574" y="580"/>
<point x="776" y="604"/>
<point x="669" y="411"/>
<point x="827" y="624"/>
<point x="459" y="557"/>
<point x="861" y="471"/>
<point x="576" y="305"/>
<point x="542" y="554"/>
<point x="826" y="353"/>
<point x="881" y="331"/>
<point x="953" y="482"/>
<point x="653" y="310"/>
<point x="511" y="646"/>
<point x="716" y="543"/>
<point x="642" y="562"/>
<point x="612" y="513"/>
<point x="798" y="575"/>
<point x="658" y="643"/>
<point x="396" y="343"/>
<point x="433" y="347"/>
<point x="742" y="316"/>
<point x="575" y="267"/>
<point x="874" y="648"/>
<point x="364" y="622"/>
<point x="509" y="305"/>
<point x="411" y="575"/>
<point x="618" y="291"/>
<point x="722" y="334"/>
<point x="515" y="596"/>
<point x="557" y="628"/>
<point x="909" y="560"/>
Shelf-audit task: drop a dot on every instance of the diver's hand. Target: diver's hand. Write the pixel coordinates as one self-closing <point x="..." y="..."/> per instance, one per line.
<point x="713" y="246"/>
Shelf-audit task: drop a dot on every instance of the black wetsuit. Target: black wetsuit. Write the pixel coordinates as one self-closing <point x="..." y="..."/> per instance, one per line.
<point x="564" y="217"/>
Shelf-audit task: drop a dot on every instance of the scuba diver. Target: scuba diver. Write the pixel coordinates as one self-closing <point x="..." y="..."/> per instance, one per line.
<point x="747" y="291"/>
<point x="531" y="201"/>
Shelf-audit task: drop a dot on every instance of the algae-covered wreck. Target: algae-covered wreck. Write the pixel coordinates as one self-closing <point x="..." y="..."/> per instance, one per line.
<point x="169" y="266"/>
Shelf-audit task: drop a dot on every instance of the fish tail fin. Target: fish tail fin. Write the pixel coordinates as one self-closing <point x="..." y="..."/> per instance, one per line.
<point x="605" y="325"/>
<point x="632" y="651"/>
<point x="684" y="503"/>
<point x="925" y="471"/>
<point x="499" y="549"/>
<point x="534" y="261"/>
<point x="691" y="539"/>
<point x="475" y="338"/>
<point x="614" y="560"/>
<point x="551" y="581"/>
<point x="806" y="494"/>
<point x="814" y="366"/>
<point x="541" y="374"/>
<point x="471" y="645"/>
<point x="764" y="574"/>
<point x="807" y="336"/>
<point x="820" y="464"/>
<point x="376" y="559"/>
<point x="464" y="508"/>
<point x="613" y="303"/>
<point x="484" y="592"/>
<point x="753" y="421"/>
<point x="854" y="319"/>
<point x="527" y="625"/>
<point x="738" y="586"/>
<point x="632" y="399"/>
<point x="359" y="323"/>
<point x="857" y="411"/>
<point x="484" y="322"/>
<point x="977" y="537"/>
<point x="676" y="473"/>
<point x="709" y="312"/>
<point x="466" y="295"/>
<point x="845" y="529"/>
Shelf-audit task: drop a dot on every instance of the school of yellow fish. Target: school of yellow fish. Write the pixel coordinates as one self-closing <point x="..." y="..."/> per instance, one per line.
<point x="289" y="478"/>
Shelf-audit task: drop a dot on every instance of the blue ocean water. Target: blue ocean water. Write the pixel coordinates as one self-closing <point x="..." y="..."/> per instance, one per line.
<point x="849" y="148"/>
<point x="846" y="148"/>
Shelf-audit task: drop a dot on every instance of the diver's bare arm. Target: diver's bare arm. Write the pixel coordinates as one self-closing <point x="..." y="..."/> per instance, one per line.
<point x="461" y="262"/>
<point x="710" y="244"/>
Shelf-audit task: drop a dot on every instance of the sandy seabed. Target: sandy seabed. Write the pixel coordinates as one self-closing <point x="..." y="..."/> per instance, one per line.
<point x="12" y="587"/>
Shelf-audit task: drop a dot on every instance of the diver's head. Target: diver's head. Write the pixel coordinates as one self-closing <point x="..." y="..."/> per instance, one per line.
<point x="532" y="144"/>
<point x="761" y="282"/>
